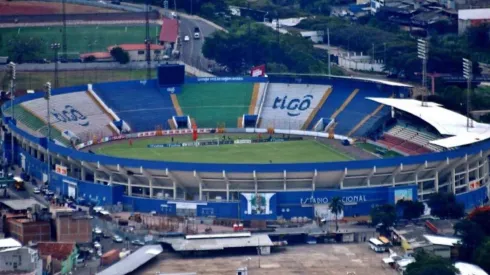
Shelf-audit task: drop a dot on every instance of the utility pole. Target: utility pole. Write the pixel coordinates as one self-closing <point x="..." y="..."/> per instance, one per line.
<point x="423" y="53"/>
<point x="55" y="47"/>
<point x="148" y="40"/>
<point x="328" y="52"/>
<point x="65" y="46"/>
<point x="468" y="74"/>
<point x="47" y="97"/>
<point x="12" y="71"/>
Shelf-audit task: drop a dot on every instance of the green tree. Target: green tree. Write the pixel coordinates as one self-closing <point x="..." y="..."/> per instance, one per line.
<point x="445" y="206"/>
<point x="479" y="36"/>
<point x="411" y="209"/>
<point x="336" y="206"/>
<point x="120" y="55"/>
<point x="383" y="214"/>
<point x="482" y="256"/>
<point x="430" y="264"/>
<point x="471" y="237"/>
<point x="481" y="216"/>
<point x="23" y="49"/>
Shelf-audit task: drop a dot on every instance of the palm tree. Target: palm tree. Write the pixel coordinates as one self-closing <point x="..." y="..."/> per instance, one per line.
<point x="336" y="206"/>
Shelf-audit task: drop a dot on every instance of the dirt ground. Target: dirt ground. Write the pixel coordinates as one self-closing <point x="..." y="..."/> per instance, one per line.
<point x="30" y="7"/>
<point x="324" y="259"/>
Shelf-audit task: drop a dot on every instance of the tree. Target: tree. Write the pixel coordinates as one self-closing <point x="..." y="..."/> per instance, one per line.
<point x="23" y="49"/>
<point x="481" y="216"/>
<point x="479" y="37"/>
<point x="336" y="206"/>
<point x="120" y="55"/>
<point x="482" y="255"/>
<point x="383" y="214"/>
<point x="471" y="237"/>
<point x="89" y="58"/>
<point x="445" y="206"/>
<point x="430" y="264"/>
<point x="411" y="209"/>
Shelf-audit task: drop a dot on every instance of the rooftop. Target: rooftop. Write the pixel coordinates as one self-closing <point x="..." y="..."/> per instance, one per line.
<point x="179" y="244"/>
<point x="445" y="121"/>
<point x="169" y="31"/>
<point x="20" y="204"/>
<point x="474" y="14"/>
<point x="469" y="269"/>
<point x="133" y="260"/>
<point x="97" y="55"/>
<point x="57" y="250"/>
<point x="9" y="243"/>
<point x="441" y="240"/>
<point x="136" y="47"/>
<point x="441" y="227"/>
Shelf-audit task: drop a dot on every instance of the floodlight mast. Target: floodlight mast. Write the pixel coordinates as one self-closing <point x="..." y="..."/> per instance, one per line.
<point x="12" y="71"/>
<point x="423" y="53"/>
<point x="468" y="74"/>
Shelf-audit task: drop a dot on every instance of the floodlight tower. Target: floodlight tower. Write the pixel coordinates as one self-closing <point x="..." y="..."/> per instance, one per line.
<point x="64" y="40"/>
<point x="55" y="47"/>
<point x="47" y="97"/>
<point x="423" y="53"/>
<point x="468" y="74"/>
<point x="148" y="40"/>
<point x="12" y="72"/>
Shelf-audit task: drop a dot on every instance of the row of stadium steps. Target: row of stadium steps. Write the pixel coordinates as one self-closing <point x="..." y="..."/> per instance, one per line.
<point x="76" y="112"/>
<point x="214" y="103"/>
<point x="36" y="125"/>
<point x="141" y="104"/>
<point x="281" y="107"/>
<point x="414" y="136"/>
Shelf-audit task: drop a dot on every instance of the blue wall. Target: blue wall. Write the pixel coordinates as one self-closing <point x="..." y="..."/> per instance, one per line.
<point x="473" y="198"/>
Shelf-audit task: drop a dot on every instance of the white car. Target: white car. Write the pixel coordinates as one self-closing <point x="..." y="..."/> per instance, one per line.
<point x="117" y="239"/>
<point x="97" y="245"/>
<point x="36" y="190"/>
<point x="97" y="231"/>
<point x="187" y="38"/>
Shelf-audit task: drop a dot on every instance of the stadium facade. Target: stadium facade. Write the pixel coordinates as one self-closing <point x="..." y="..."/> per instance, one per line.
<point x="244" y="191"/>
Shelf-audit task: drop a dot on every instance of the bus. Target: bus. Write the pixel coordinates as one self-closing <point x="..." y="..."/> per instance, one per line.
<point x="377" y="245"/>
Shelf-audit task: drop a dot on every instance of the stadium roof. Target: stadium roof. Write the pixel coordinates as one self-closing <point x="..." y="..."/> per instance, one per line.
<point x="133" y="260"/>
<point x="445" y="121"/>
<point x="21" y="204"/>
<point x="169" y="31"/>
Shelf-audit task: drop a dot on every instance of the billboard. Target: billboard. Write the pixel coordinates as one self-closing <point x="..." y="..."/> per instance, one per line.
<point x="403" y="194"/>
<point x="259" y="203"/>
<point x="258" y="71"/>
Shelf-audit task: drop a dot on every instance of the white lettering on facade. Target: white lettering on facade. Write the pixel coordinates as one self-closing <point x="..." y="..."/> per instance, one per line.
<point x="325" y="200"/>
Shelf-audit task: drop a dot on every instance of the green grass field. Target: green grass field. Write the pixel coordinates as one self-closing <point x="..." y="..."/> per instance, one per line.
<point x="80" y="39"/>
<point x="284" y="152"/>
<point x="373" y="149"/>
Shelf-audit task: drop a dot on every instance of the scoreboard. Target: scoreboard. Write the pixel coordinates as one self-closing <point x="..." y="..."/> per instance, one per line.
<point x="171" y="75"/>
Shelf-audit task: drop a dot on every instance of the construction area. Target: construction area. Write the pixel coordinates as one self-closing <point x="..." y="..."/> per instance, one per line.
<point x="324" y="259"/>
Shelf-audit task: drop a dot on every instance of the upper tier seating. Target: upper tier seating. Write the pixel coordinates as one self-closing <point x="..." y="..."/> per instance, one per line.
<point x="214" y="104"/>
<point x="139" y="103"/>
<point x="301" y="100"/>
<point x="414" y="136"/>
<point x="76" y="112"/>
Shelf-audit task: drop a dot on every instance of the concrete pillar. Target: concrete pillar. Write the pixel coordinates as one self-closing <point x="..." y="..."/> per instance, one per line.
<point x="227" y="192"/>
<point x="467" y="176"/>
<point x="110" y="179"/>
<point x="453" y="181"/>
<point x="175" y="190"/>
<point x="285" y="186"/>
<point x="200" y="191"/>
<point x="150" y="183"/>
<point x="393" y="181"/>
<point x="477" y="171"/>
<point x="95" y="176"/>
<point x="130" y="187"/>
<point x="83" y="173"/>
<point x="38" y="154"/>
<point x="341" y="184"/>
<point x="369" y="181"/>
<point x="436" y="181"/>
<point x="416" y="178"/>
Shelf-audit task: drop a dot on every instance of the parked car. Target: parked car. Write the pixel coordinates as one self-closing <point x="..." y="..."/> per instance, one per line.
<point x="117" y="239"/>
<point x="186" y="38"/>
<point x="97" y="245"/>
<point x="137" y="242"/>
<point x="97" y="231"/>
<point x="36" y="190"/>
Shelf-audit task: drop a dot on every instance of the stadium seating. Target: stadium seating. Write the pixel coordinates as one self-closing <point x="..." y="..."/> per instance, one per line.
<point x="139" y="103"/>
<point x="409" y="140"/>
<point x="35" y="124"/>
<point x="214" y="104"/>
<point x="76" y="112"/>
<point x="274" y="115"/>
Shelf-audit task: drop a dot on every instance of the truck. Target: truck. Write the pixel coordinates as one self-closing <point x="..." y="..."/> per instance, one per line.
<point x="109" y="257"/>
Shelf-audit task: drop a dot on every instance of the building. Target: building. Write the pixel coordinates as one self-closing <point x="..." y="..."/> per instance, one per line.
<point x="169" y="32"/>
<point x="9" y="243"/>
<point x="20" y="260"/>
<point x="469" y="269"/>
<point x="137" y="52"/>
<point x="472" y="18"/>
<point x="72" y="226"/>
<point x="27" y="230"/>
<point x="58" y="256"/>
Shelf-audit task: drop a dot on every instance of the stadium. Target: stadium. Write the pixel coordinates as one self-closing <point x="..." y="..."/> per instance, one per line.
<point x="248" y="148"/>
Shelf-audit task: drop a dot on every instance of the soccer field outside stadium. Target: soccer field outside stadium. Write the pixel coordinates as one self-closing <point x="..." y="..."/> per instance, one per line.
<point x="280" y="152"/>
<point x="80" y="38"/>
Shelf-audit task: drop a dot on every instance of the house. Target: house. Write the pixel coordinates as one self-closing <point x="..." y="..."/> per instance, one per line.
<point x="169" y="32"/>
<point x="9" y="243"/>
<point x="137" y="52"/>
<point x="471" y="18"/>
<point x="58" y="256"/>
<point x="28" y="230"/>
<point x="72" y="226"/>
<point x="20" y="260"/>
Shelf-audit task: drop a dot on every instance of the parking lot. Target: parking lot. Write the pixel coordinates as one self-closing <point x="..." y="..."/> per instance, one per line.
<point x="324" y="259"/>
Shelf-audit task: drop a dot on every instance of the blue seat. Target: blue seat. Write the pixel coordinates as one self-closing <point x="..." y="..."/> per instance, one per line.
<point x="140" y="103"/>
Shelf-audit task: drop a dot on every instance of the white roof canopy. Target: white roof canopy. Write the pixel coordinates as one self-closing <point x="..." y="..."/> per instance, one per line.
<point x="445" y="121"/>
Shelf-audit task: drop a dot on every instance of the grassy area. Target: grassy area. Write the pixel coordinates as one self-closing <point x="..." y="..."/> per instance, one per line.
<point x="36" y="80"/>
<point x="283" y="152"/>
<point x="374" y="149"/>
<point x="80" y="38"/>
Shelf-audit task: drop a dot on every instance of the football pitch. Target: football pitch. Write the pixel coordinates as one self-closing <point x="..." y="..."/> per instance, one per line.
<point x="268" y="152"/>
<point x="80" y="38"/>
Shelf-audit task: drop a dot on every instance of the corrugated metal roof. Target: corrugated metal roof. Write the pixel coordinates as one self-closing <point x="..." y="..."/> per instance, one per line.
<point x="169" y="30"/>
<point x="179" y="244"/>
<point x="474" y="14"/>
<point x="21" y="204"/>
<point x="133" y="261"/>
<point x="9" y="243"/>
<point x="440" y="240"/>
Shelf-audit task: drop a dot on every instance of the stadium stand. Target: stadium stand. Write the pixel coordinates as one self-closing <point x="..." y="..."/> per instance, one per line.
<point x="134" y="100"/>
<point x="35" y="124"/>
<point x="288" y="106"/>
<point x="409" y="140"/>
<point x="214" y="104"/>
<point x="76" y="112"/>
